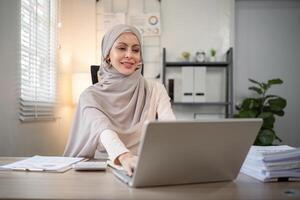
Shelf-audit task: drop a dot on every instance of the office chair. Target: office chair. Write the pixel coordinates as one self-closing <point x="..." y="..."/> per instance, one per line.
<point x="95" y="69"/>
<point x="94" y="73"/>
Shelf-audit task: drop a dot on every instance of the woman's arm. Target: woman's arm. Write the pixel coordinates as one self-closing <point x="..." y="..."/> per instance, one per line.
<point x="113" y="145"/>
<point x="117" y="151"/>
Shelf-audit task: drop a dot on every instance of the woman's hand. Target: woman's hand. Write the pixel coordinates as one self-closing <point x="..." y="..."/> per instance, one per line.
<point x="128" y="162"/>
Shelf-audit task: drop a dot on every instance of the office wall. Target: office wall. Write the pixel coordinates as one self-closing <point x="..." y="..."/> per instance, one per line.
<point x="196" y="25"/>
<point x="267" y="46"/>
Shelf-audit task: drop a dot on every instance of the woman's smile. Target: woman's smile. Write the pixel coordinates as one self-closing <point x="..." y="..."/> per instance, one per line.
<point x="127" y="64"/>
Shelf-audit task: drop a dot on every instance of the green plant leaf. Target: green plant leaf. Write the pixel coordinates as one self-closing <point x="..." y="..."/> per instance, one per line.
<point x="236" y="115"/>
<point x="266" y="109"/>
<point x="260" y="103"/>
<point x="213" y="52"/>
<point x="276" y="81"/>
<point x="248" y="114"/>
<point x="247" y="104"/>
<point x="279" y="113"/>
<point x="256" y="89"/>
<point x="256" y="103"/>
<point x="269" y="122"/>
<point x="275" y="108"/>
<point x="250" y="107"/>
<point x="254" y="81"/>
<point x="270" y="96"/>
<point x="265" y="137"/>
<point x="265" y="115"/>
<point x="265" y="86"/>
<point x="277" y="104"/>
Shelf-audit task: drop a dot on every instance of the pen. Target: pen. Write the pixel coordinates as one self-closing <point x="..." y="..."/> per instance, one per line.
<point x="35" y="170"/>
<point x="19" y="169"/>
<point x="29" y="169"/>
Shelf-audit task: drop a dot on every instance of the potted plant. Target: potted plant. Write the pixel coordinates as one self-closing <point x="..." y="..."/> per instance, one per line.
<point x="265" y="106"/>
<point x="185" y="56"/>
<point x="213" y="53"/>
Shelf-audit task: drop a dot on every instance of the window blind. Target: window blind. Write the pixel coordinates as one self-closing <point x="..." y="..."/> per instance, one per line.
<point x="38" y="59"/>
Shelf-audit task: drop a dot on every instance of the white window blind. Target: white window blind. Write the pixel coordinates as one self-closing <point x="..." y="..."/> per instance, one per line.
<point x="38" y="59"/>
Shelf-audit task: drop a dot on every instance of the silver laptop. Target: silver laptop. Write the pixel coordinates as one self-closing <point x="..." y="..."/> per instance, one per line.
<point x="181" y="152"/>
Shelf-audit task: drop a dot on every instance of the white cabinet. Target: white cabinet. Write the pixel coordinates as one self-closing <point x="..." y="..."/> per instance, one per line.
<point x="193" y="84"/>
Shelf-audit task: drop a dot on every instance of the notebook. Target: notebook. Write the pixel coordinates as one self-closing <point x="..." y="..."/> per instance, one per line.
<point x="181" y="152"/>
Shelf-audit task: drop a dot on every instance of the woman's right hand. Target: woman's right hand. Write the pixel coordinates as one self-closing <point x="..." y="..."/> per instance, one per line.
<point x="128" y="162"/>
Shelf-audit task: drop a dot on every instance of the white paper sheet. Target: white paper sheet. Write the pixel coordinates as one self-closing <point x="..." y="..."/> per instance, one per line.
<point x="43" y="163"/>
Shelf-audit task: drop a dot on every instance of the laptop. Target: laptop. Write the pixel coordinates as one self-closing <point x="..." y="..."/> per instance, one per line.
<point x="182" y="152"/>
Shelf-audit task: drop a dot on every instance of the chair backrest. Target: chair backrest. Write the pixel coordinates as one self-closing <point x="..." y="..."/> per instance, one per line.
<point x="94" y="73"/>
<point x="95" y="69"/>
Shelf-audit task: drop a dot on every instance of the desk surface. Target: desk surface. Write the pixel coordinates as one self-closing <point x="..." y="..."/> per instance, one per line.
<point x="104" y="185"/>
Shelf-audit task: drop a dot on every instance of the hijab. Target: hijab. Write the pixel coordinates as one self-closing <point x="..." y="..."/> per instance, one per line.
<point x="117" y="102"/>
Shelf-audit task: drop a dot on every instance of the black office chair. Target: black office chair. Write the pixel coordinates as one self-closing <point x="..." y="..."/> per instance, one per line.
<point x="94" y="73"/>
<point x="95" y="69"/>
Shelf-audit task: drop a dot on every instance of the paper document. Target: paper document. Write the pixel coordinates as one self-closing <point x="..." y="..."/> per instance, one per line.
<point x="43" y="163"/>
<point x="269" y="163"/>
<point x="270" y="153"/>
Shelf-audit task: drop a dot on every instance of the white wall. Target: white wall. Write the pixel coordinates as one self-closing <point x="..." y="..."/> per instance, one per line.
<point x="196" y="25"/>
<point x="267" y="46"/>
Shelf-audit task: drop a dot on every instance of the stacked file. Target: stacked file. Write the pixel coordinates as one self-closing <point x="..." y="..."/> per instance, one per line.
<point x="273" y="163"/>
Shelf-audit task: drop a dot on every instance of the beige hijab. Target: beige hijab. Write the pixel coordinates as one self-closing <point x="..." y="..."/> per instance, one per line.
<point x="118" y="102"/>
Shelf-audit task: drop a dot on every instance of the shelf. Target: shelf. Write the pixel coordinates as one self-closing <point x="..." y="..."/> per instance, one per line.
<point x="202" y="103"/>
<point x="227" y="65"/>
<point x="195" y="64"/>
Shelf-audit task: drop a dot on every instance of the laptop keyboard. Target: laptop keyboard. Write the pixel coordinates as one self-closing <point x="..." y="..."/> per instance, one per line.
<point x="121" y="174"/>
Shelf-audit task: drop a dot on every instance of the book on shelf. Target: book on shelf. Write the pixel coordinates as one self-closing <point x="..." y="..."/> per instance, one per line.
<point x="43" y="164"/>
<point x="272" y="163"/>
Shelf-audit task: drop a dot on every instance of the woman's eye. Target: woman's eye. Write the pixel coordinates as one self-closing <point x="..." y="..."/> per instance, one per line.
<point x="136" y="50"/>
<point x="122" y="48"/>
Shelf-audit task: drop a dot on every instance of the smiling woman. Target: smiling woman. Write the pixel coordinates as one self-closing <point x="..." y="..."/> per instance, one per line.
<point x="111" y="113"/>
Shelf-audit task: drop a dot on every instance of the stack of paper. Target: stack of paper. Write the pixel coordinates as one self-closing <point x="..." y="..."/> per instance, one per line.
<point x="272" y="163"/>
<point x="43" y="163"/>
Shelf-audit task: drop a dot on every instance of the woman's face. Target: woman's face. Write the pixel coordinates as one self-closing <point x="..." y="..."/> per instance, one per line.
<point x="125" y="54"/>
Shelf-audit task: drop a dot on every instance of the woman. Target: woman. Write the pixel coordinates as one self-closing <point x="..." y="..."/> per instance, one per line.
<point x="111" y="113"/>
